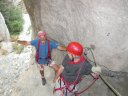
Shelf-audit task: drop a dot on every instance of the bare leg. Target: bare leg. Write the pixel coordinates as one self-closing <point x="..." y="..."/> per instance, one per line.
<point x="42" y="71"/>
<point x="42" y="74"/>
<point x="55" y="67"/>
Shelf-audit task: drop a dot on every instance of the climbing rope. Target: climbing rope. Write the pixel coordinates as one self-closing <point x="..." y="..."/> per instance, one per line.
<point x="86" y="88"/>
<point x="108" y="84"/>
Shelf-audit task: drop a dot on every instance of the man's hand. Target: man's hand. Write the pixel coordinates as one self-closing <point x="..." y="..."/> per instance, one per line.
<point x="96" y="69"/>
<point x="62" y="47"/>
<point x="23" y="42"/>
<point x="55" y="80"/>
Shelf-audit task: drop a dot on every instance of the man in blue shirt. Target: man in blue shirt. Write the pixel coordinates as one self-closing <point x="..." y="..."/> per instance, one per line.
<point x="43" y="50"/>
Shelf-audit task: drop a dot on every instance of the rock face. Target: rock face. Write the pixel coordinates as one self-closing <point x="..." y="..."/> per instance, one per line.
<point x="4" y="33"/>
<point x="7" y="46"/>
<point x="100" y="24"/>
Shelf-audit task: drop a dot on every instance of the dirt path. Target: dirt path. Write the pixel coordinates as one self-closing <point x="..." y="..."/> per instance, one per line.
<point x="29" y="83"/>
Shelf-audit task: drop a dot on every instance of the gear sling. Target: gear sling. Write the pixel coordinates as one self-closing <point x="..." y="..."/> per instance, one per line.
<point x="48" y="58"/>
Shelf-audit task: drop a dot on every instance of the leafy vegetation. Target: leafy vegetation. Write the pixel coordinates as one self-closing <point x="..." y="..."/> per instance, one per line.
<point x="18" y="48"/>
<point x="13" y="16"/>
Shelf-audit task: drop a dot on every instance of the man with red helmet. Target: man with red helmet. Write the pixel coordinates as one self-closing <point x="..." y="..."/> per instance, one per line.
<point x="74" y="66"/>
<point x="43" y="48"/>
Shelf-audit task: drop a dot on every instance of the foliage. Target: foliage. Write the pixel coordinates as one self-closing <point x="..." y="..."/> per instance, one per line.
<point x="13" y="16"/>
<point x="18" y="48"/>
<point x="14" y="38"/>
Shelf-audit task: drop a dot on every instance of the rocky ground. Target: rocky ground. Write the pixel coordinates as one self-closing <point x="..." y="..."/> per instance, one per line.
<point x="29" y="83"/>
<point x="11" y="67"/>
<point x="19" y="76"/>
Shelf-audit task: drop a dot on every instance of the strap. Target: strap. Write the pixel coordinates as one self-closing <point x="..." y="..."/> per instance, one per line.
<point x="60" y="88"/>
<point x="68" y="83"/>
<point x="82" y="59"/>
<point x="66" y="87"/>
<point x="60" y="82"/>
<point x="38" y="47"/>
<point x="37" y="53"/>
<point x="49" y="53"/>
<point x="56" y="89"/>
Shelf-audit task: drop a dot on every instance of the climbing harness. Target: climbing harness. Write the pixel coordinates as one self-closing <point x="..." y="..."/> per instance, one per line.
<point x="48" y="58"/>
<point x="67" y="86"/>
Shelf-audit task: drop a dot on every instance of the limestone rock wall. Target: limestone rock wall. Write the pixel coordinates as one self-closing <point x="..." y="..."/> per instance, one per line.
<point x="4" y="33"/>
<point x="100" y="24"/>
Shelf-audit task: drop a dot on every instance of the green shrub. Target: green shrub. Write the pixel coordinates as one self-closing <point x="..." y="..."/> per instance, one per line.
<point x="13" y="17"/>
<point x="18" y="48"/>
<point x="14" y="38"/>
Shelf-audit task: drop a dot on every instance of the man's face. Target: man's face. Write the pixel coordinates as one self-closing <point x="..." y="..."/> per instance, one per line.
<point x="42" y="38"/>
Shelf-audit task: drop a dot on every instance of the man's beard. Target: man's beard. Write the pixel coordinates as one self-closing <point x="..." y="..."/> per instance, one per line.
<point x="43" y="40"/>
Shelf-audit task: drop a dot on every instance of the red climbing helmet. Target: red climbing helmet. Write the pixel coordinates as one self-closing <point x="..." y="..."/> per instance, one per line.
<point x="75" y="48"/>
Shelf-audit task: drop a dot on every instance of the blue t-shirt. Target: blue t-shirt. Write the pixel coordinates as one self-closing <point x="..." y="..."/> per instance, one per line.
<point x="43" y="50"/>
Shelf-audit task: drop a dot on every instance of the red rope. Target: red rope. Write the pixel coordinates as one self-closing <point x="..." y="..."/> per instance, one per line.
<point x="85" y="89"/>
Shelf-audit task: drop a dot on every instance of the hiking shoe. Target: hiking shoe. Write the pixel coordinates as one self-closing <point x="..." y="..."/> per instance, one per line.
<point x="43" y="81"/>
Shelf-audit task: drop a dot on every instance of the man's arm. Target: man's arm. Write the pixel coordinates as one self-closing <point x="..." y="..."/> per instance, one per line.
<point x="61" y="47"/>
<point x="91" y="70"/>
<point x="24" y="42"/>
<point x="58" y="73"/>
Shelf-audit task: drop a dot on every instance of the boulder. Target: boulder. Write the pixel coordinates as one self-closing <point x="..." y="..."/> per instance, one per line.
<point x="4" y="33"/>
<point x="7" y="46"/>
